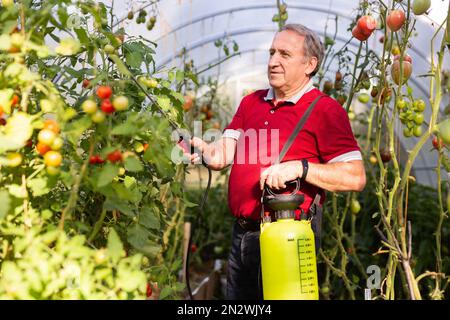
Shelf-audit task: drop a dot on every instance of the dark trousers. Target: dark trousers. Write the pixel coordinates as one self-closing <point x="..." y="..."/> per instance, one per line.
<point x="244" y="266"/>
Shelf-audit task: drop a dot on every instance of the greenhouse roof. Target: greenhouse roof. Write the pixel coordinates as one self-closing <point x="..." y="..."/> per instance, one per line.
<point x="196" y="25"/>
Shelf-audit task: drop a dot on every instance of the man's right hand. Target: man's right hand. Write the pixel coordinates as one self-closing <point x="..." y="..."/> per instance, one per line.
<point x="198" y="144"/>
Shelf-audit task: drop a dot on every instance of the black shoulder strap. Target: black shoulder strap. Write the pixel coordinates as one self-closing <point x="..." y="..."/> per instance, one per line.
<point x="297" y="129"/>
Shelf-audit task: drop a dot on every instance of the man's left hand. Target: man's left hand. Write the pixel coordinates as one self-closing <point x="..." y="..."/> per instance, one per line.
<point x="276" y="176"/>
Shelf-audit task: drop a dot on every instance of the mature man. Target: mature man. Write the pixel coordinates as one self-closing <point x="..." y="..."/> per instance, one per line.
<point x="326" y="142"/>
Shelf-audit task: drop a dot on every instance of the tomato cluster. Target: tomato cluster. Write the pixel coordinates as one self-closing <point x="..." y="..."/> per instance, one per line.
<point x="104" y="93"/>
<point x="49" y="144"/>
<point x="411" y="115"/>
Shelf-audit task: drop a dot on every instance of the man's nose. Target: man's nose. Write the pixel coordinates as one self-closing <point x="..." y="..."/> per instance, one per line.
<point x="273" y="61"/>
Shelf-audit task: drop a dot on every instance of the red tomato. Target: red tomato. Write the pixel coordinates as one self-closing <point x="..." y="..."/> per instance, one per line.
<point x="385" y="155"/>
<point x="145" y="146"/>
<point x="104" y="92"/>
<point x="193" y="247"/>
<point x="115" y="156"/>
<point x="367" y="24"/>
<point x="149" y="290"/>
<point x="86" y="83"/>
<point x="93" y="159"/>
<point x="42" y="148"/>
<point x="2" y="122"/>
<point x="15" y="100"/>
<point x="438" y="145"/>
<point x="188" y="103"/>
<point x="107" y="106"/>
<point x="396" y="19"/>
<point x="52" y="125"/>
<point x="358" y="34"/>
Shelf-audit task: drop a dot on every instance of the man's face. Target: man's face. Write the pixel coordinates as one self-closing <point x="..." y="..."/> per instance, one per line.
<point x="288" y="67"/>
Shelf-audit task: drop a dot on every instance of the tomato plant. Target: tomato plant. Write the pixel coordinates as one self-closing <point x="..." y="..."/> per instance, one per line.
<point x="109" y="220"/>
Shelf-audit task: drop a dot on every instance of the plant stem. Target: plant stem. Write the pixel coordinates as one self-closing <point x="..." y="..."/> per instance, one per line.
<point x="76" y="186"/>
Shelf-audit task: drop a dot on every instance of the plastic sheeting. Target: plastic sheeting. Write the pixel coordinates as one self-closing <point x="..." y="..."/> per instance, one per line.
<point x="195" y="25"/>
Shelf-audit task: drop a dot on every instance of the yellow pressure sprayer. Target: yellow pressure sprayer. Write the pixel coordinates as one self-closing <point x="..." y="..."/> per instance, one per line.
<point x="288" y="257"/>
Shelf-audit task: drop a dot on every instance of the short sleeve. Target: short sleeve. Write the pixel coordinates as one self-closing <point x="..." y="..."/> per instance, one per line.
<point x="335" y="139"/>
<point x="238" y="118"/>
<point x="234" y="129"/>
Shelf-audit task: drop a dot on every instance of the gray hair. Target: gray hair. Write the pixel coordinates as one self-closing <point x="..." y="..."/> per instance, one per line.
<point x="312" y="46"/>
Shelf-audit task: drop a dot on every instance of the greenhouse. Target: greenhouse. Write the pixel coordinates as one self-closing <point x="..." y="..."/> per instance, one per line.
<point x="224" y="150"/>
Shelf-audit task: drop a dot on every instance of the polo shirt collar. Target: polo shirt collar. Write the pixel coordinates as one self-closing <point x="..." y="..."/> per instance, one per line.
<point x="295" y="98"/>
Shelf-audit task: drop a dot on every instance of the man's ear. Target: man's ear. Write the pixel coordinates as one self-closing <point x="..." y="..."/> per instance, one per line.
<point x="311" y="65"/>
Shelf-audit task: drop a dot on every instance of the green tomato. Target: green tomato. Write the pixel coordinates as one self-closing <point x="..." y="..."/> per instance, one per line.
<point x="98" y="117"/>
<point x="109" y="49"/>
<point x="417" y="131"/>
<point x="218" y="250"/>
<point x="89" y="106"/>
<point x="363" y="98"/>
<point x="400" y="103"/>
<point x="57" y="143"/>
<point x="419" y="118"/>
<point x="420" y="6"/>
<point x="419" y="105"/>
<point x="444" y="131"/>
<point x="152" y="83"/>
<point x="120" y="103"/>
<point x="14" y="159"/>
<point x="407" y="132"/>
<point x="138" y="147"/>
<point x="351" y="116"/>
<point x="355" y="207"/>
<point x="53" y="171"/>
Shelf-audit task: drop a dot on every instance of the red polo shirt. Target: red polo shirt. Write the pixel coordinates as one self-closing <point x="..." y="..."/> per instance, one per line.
<point x="325" y="137"/>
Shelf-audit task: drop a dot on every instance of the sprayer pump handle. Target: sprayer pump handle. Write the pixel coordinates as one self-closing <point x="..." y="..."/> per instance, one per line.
<point x="297" y="187"/>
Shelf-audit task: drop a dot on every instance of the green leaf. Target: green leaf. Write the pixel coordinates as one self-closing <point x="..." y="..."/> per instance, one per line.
<point x="189" y="204"/>
<point x="117" y="204"/>
<point x="148" y="218"/>
<point x="115" y="247"/>
<point x="5" y="201"/>
<point x="133" y="195"/>
<point x="137" y="235"/>
<point x="134" y="59"/>
<point x="165" y="292"/>
<point x="62" y="15"/>
<point x="38" y="186"/>
<point x="82" y="36"/>
<point x="163" y="102"/>
<point x="180" y="76"/>
<point x="17" y="191"/>
<point x="16" y="132"/>
<point x="178" y="96"/>
<point x="76" y="128"/>
<point x="121" y="67"/>
<point x="125" y="129"/>
<point x="129" y="182"/>
<point x="133" y="164"/>
<point x="107" y="174"/>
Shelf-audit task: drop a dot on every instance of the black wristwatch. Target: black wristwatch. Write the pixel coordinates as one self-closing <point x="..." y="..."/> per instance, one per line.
<point x="305" y="169"/>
